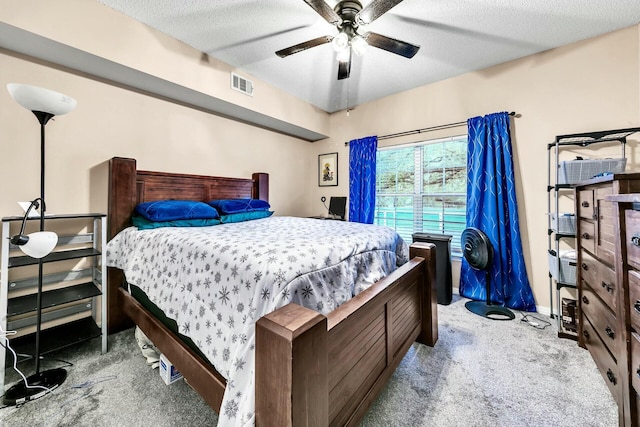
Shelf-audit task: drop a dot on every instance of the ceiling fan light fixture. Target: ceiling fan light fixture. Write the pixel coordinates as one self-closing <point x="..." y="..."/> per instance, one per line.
<point x="344" y="55"/>
<point x="359" y="45"/>
<point x="348" y="16"/>
<point x="340" y="42"/>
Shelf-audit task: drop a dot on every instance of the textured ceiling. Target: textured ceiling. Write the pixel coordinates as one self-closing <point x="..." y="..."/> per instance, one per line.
<point x="455" y="37"/>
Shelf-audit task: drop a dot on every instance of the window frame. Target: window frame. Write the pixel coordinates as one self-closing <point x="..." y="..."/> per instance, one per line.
<point x="419" y="194"/>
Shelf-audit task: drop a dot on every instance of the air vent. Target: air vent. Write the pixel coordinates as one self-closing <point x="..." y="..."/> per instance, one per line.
<point x="241" y="84"/>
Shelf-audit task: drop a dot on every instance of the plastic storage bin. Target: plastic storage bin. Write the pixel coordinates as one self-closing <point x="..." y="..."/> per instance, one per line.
<point x="573" y="171"/>
<point x="563" y="268"/>
<point x="563" y="223"/>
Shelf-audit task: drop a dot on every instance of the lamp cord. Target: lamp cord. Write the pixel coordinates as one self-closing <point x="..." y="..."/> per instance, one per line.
<point x="536" y="323"/>
<point x="325" y="206"/>
<point x="4" y="334"/>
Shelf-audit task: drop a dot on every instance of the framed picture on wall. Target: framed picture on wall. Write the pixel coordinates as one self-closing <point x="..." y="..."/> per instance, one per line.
<point x="328" y="169"/>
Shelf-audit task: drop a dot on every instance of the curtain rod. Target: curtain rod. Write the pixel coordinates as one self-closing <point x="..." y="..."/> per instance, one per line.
<point x="429" y="129"/>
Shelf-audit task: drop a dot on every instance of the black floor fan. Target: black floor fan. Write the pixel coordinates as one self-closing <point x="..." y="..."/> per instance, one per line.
<point x="478" y="252"/>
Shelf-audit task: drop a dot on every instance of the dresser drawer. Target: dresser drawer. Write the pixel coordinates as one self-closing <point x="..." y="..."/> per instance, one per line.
<point x="606" y="243"/>
<point x="604" y="361"/>
<point x="589" y="268"/>
<point x="587" y="230"/>
<point x="585" y="207"/>
<point x="634" y="299"/>
<point x="632" y="219"/>
<point x="602" y="319"/>
<point x="635" y="361"/>
<point x="600" y="278"/>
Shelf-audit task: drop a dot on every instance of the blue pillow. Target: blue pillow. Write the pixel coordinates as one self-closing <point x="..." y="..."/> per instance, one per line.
<point x="171" y="210"/>
<point x="144" y="224"/>
<point x="244" y="216"/>
<point x="230" y="206"/>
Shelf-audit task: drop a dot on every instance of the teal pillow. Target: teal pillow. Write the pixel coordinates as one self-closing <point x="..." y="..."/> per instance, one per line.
<point x="144" y="224"/>
<point x="244" y="216"/>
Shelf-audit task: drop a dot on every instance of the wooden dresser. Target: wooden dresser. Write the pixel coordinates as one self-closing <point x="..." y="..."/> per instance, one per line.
<point x="603" y="290"/>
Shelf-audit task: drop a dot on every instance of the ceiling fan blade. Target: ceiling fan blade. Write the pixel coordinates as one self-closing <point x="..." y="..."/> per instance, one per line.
<point x="324" y="10"/>
<point x="304" y="46"/>
<point x="389" y="44"/>
<point x="344" y="68"/>
<point x="374" y="10"/>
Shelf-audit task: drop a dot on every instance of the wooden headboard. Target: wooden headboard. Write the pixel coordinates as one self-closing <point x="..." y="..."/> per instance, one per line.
<point x="129" y="186"/>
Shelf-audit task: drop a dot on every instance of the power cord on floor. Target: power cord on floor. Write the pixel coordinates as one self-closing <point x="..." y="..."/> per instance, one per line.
<point x="534" y="322"/>
<point x="85" y="388"/>
<point x="4" y="335"/>
<point x="27" y="357"/>
<point x="91" y="383"/>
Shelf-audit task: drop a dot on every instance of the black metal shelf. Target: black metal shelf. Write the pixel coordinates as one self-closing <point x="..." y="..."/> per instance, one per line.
<point x="27" y="303"/>
<point x="560" y="285"/>
<point x="558" y="187"/>
<point x="56" y="338"/>
<point x="587" y="138"/>
<point x="568" y="335"/>
<point x="59" y="216"/>
<point x="559" y="236"/>
<point x="65" y="297"/>
<point x="554" y="191"/>
<point x="24" y="260"/>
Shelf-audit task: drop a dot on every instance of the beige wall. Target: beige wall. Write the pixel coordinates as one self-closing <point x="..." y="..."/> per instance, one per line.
<point x="99" y="30"/>
<point x="591" y="85"/>
<point x="587" y="86"/>
<point x="110" y="121"/>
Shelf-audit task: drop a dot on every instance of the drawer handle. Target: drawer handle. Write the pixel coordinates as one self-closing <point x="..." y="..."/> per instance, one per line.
<point x="635" y="240"/>
<point x="607" y="286"/>
<point x="585" y="204"/>
<point x="612" y="378"/>
<point x="609" y="332"/>
<point x="584" y="266"/>
<point x="638" y="373"/>
<point x="636" y="306"/>
<point x="587" y="336"/>
<point x="585" y="300"/>
<point x="586" y="236"/>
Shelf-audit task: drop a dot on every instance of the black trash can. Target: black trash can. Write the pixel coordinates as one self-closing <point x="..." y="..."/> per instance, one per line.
<point x="444" y="286"/>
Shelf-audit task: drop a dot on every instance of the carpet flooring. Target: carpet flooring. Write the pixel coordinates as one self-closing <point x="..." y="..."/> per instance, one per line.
<point x="481" y="372"/>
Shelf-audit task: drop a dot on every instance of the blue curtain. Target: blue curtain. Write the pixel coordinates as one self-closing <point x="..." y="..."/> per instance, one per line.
<point x="492" y="207"/>
<point x="362" y="179"/>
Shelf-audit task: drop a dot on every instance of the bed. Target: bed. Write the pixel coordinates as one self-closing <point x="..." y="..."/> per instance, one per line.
<point x="310" y="368"/>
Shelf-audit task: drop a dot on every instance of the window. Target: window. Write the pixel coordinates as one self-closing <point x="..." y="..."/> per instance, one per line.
<point x="422" y="187"/>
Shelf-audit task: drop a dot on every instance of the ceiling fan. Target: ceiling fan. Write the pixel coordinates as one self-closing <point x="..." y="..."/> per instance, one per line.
<point x="348" y="16"/>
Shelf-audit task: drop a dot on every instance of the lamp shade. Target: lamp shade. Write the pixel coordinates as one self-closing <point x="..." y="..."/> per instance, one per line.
<point x="359" y="45"/>
<point x="39" y="244"/>
<point x="340" y="42"/>
<point x="35" y="98"/>
<point x="343" y="55"/>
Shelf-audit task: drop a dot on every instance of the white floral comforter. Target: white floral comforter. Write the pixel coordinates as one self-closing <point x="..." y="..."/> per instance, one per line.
<point x="217" y="281"/>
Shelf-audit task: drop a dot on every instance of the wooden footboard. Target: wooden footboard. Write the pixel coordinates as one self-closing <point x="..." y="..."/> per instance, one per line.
<point x="314" y="370"/>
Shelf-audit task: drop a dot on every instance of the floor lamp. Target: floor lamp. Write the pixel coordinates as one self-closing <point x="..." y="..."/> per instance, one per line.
<point x="44" y="104"/>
